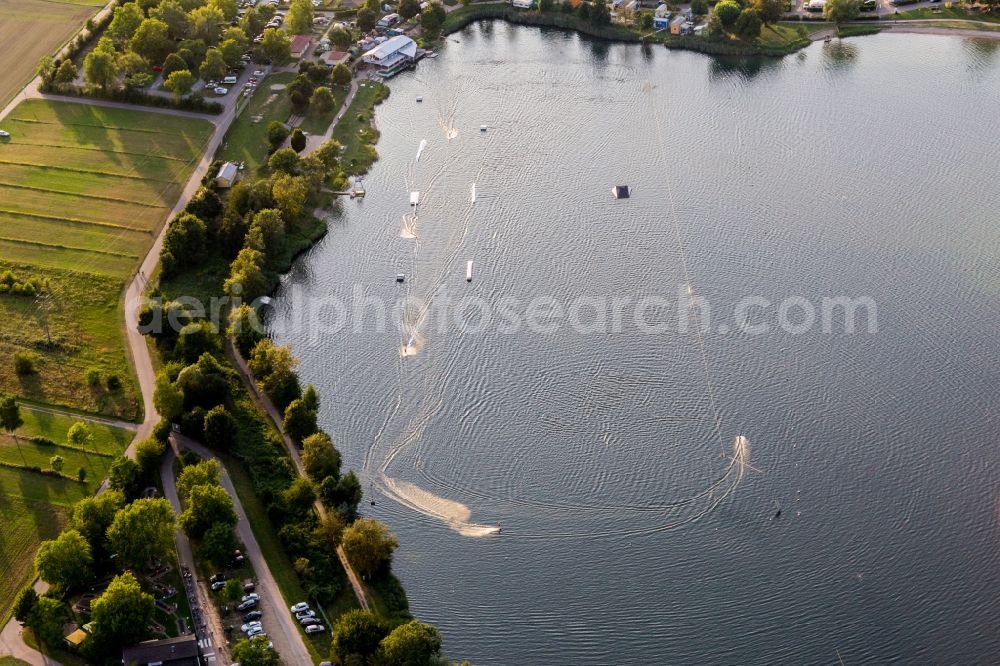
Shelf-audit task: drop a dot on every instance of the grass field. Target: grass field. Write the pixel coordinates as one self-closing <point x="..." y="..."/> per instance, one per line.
<point x="83" y="192"/>
<point x="34" y="507"/>
<point x="354" y="131"/>
<point x="32" y="29"/>
<point x="246" y="140"/>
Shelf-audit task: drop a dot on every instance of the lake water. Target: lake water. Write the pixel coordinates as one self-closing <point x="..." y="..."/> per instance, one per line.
<point x="634" y="530"/>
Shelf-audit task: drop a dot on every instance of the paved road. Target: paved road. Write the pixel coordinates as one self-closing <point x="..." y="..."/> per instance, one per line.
<point x="279" y="624"/>
<point x="293" y="450"/>
<point x="208" y="626"/>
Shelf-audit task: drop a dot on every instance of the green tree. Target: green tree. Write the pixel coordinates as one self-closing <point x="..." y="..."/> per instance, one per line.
<point x="291" y="194"/>
<point x="93" y="516"/>
<point x="173" y="63"/>
<point x="431" y="19"/>
<point x="10" y="415"/>
<point x="770" y="11"/>
<point x="220" y="429"/>
<point x="727" y="11"/>
<point x="142" y="531"/>
<point x="320" y="458"/>
<point x="407" y="9"/>
<point x="232" y="52"/>
<point x="123" y="475"/>
<point x="171" y="13"/>
<point x="152" y="41"/>
<point x="207" y="506"/>
<point x="255" y="652"/>
<point x="298" y="137"/>
<point x="311" y="398"/>
<point x="167" y="398"/>
<point x="357" y="635"/>
<point x="700" y="7"/>
<point x="122" y="613"/>
<point x="47" y="621"/>
<point x="276" y="134"/>
<point x="267" y="232"/>
<point x="344" y="494"/>
<point x="300" y="17"/>
<point x="125" y="21"/>
<point x="246" y="275"/>
<point x="56" y="463"/>
<point x="412" y="644"/>
<point x="840" y="11"/>
<point x="218" y="544"/>
<point x="46" y="69"/>
<point x="600" y="13"/>
<point x="179" y="83"/>
<point x="228" y="8"/>
<point x="369" y="545"/>
<point x="184" y="242"/>
<point x="205" y="473"/>
<point x="748" y="24"/>
<point x="24" y="605"/>
<point x="213" y="68"/>
<point x="274" y="368"/>
<point x="284" y="160"/>
<point x="65" y="561"/>
<point x="300" y="421"/>
<point x="206" y="24"/>
<point x="148" y="454"/>
<point x="275" y="45"/>
<point x="646" y="20"/>
<point x="341" y="39"/>
<point x="321" y="102"/>
<point x="67" y="72"/>
<point x="99" y="69"/>
<point x="367" y="18"/>
<point x="300" y="496"/>
<point x="329" y="153"/>
<point x="232" y="590"/>
<point x="245" y="328"/>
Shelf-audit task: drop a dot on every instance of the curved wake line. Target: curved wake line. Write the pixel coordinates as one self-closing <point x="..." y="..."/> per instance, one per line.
<point x="454" y="514"/>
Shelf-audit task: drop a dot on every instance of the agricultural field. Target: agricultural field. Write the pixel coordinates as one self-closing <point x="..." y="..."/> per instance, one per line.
<point x="83" y="192"/>
<point x="32" y="29"/>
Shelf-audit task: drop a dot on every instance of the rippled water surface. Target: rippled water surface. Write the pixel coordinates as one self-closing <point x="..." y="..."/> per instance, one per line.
<point x="630" y="535"/>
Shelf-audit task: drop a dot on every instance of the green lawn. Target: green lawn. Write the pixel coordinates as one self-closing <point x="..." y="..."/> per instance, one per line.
<point x="354" y="131"/>
<point x="947" y="13"/>
<point x="12" y="661"/>
<point x="83" y="192"/>
<point x="26" y="524"/>
<point x="319" y="123"/>
<point x="246" y="140"/>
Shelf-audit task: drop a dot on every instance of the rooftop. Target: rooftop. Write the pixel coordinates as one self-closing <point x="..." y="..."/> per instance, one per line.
<point x="179" y="651"/>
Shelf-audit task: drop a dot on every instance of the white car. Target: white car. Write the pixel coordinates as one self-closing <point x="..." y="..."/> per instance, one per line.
<point x="4" y="134"/>
<point x="250" y="625"/>
<point x="252" y="595"/>
<point x="315" y="629"/>
<point x="300" y="607"/>
<point x="301" y="615"/>
<point x="258" y="72"/>
<point x="219" y="90"/>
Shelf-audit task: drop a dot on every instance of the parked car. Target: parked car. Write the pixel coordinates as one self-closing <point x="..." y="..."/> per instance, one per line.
<point x="221" y="91"/>
<point x="315" y="629"/>
<point x="258" y="72"/>
<point x="299" y="607"/>
<point x="252" y="595"/>
<point x="218" y="578"/>
<point x="218" y="585"/>
<point x="301" y="615"/>
<point x="230" y="80"/>
<point x="308" y="621"/>
<point x="4" y="134"/>
<point x="252" y="615"/>
<point x="256" y="632"/>
<point x="250" y="625"/>
<point x="247" y="605"/>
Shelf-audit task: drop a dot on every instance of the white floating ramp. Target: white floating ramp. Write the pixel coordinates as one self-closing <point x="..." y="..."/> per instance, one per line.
<point x="468" y="272"/>
<point x="414" y="198"/>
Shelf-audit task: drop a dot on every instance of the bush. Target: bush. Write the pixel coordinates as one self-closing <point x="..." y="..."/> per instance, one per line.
<point x="24" y="364"/>
<point x="298" y="140"/>
<point x="93" y="377"/>
<point x="114" y="383"/>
